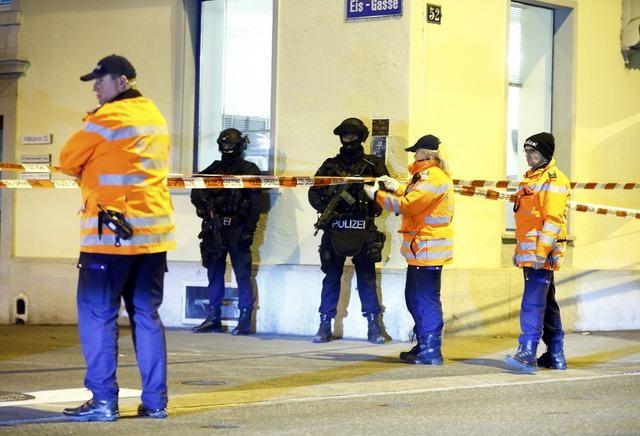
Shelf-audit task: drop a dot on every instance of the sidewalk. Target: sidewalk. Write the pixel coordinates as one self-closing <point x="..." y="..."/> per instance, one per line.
<point x="286" y="385"/>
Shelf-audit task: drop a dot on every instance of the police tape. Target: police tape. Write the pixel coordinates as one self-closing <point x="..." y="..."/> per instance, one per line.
<point x="208" y="182"/>
<point x="29" y="168"/>
<point x="265" y="182"/>
<point x="504" y="184"/>
<point x="292" y="181"/>
<point x="490" y="194"/>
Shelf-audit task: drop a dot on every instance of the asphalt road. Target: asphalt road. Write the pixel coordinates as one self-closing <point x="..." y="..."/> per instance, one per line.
<point x="261" y="384"/>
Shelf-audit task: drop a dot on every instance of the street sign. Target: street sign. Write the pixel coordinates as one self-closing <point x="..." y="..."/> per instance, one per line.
<point x="358" y="9"/>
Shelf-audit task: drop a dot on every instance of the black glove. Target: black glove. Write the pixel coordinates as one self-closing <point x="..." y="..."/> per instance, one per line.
<point x="245" y="241"/>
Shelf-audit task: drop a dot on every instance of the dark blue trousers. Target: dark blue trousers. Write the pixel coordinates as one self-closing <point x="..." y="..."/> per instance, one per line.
<point x="422" y="294"/>
<point x="241" y="262"/>
<point x="540" y="313"/>
<point x="105" y="279"/>
<point x="333" y="267"/>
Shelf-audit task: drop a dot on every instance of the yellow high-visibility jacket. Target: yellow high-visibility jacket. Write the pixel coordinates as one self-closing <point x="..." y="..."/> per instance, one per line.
<point x="540" y="214"/>
<point x="121" y="158"/>
<point x="426" y="206"/>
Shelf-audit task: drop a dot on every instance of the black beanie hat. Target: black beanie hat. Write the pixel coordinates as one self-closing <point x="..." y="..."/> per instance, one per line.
<point x="543" y="143"/>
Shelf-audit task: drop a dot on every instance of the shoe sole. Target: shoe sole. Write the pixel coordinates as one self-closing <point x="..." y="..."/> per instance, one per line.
<point x="153" y="416"/>
<point x="415" y="361"/>
<point x="517" y="366"/>
<point x="436" y="362"/>
<point x="552" y="367"/>
<point x="91" y="418"/>
<point x="241" y="333"/>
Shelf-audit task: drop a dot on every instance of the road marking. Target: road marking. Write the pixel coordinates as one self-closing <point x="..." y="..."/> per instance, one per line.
<point x="65" y="396"/>
<point x="479" y="384"/>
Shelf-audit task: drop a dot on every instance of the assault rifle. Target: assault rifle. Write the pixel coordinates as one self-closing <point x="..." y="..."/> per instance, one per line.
<point x="339" y="194"/>
<point x="211" y="225"/>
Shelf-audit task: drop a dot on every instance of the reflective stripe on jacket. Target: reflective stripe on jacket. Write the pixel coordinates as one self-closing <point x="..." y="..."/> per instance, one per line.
<point x="121" y="158"/>
<point x="426" y="206"/>
<point x="540" y="214"/>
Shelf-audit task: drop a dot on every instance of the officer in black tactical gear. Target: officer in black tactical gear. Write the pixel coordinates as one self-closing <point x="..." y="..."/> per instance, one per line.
<point x="229" y="221"/>
<point x="347" y="220"/>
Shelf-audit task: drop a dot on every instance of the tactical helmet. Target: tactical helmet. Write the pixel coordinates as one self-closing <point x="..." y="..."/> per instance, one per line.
<point x="352" y="125"/>
<point x="233" y="136"/>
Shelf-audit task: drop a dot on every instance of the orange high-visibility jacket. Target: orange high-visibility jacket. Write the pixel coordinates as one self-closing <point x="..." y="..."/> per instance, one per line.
<point x="540" y="214"/>
<point x="426" y="206"/>
<point x="121" y="158"/>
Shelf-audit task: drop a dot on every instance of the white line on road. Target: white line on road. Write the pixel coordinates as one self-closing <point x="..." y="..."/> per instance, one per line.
<point x="481" y="385"/>
<point x="64" y="396"/>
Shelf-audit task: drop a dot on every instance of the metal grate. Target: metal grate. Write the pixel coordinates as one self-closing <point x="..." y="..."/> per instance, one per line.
<point x="197" y="303"/>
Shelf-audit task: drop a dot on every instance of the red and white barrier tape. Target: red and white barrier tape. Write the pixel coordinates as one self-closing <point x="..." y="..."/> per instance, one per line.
<point x="259" y="182"/>
<point x="238" y="182"/>
<point x="490" y="194"/>
<point x="290" y="181"/>
<point x="209" y="182"/>
<point x="29" y="168"/>
<point x="503" y="184"/>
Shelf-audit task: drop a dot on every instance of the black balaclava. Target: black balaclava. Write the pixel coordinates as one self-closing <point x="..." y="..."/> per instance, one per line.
<point x="232" y="136"/>
<point x="352" y="150"/>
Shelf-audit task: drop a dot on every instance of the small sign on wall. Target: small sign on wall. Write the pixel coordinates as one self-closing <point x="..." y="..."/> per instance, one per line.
<point x="35" y="159"/>
<point x="357" y="9"/>
<point x="380" y="127"/>
<point x="380" y="137"/>
<point x="38" y="139"/>
<point x="434" y="14"/>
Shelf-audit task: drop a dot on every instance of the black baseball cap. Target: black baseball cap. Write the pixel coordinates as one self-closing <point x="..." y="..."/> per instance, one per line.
<point x="429" y="142"/>
<point x="112" y="64"/>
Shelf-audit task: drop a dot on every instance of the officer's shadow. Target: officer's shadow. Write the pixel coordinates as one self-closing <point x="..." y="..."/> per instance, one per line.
<point x="348" y="277"/>
<point x="494" y="363"/>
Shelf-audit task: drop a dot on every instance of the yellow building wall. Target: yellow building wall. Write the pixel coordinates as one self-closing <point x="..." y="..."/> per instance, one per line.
<point x="607" y="136"/>
<point x="464" y="103"/>
<point x="63" y="40"/>
<point x="447" y="79"/>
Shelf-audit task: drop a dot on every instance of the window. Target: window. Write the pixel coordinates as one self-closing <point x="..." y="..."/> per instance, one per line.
<point x="530" y="84"/>
<point x="235" y="78"/>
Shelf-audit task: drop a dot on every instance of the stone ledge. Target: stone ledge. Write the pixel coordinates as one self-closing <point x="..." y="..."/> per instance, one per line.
<point x="9" y="18"/>
<point x="13" y="68"/>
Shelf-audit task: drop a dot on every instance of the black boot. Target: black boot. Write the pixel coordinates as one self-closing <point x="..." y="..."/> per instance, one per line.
<point x="524" y="360"/>
<point x="213" y="322"/>
<point x="145" y="412"/>
<point x="410" y="356"/>
<point x="429" y="349"/>
<point x="324" y="331"/>
<point x="554" y="357"/>
<point x="94" y="410"/>
<point x="244" y="323"/>
<point x="374" y="332"/>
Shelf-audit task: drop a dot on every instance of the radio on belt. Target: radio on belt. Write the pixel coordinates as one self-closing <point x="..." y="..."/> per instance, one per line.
<point x="116" y="223"/>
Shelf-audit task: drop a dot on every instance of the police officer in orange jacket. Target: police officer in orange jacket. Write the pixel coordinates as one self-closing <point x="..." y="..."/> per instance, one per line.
<point x="540" y="214"/>
<point x="426" y="206"/>
<point x="120" y="157"/>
